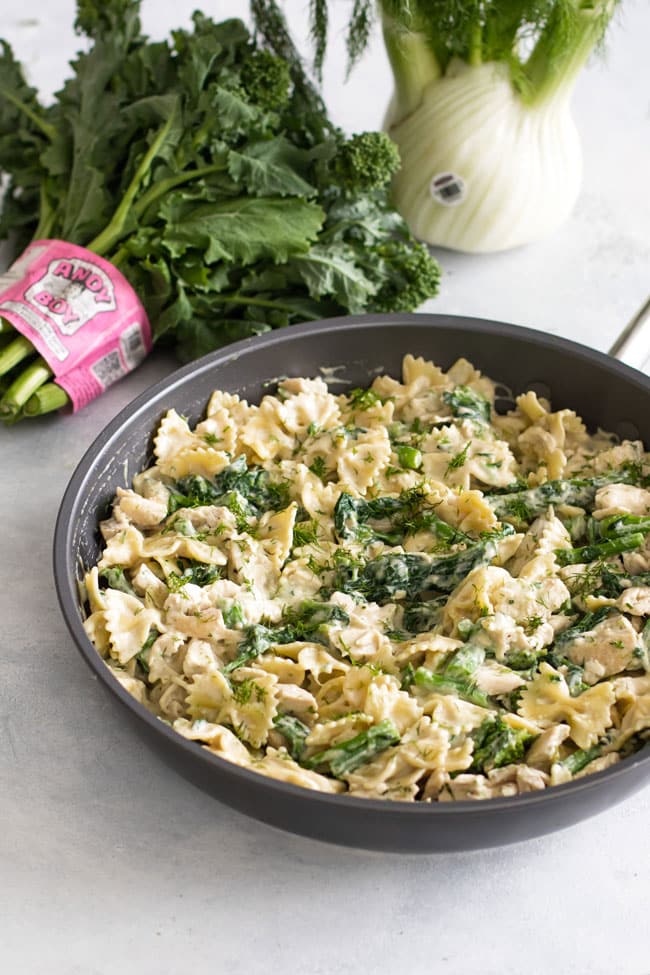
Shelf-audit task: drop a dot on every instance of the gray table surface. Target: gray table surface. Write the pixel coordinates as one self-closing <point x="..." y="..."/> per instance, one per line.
<point x="111" y="863"/>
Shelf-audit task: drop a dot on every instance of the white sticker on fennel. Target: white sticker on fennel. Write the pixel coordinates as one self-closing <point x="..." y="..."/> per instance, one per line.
<point x="448" y="189"/>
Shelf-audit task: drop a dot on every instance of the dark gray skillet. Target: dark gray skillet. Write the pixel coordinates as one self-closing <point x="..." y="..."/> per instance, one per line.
<point x="603" y="391"/>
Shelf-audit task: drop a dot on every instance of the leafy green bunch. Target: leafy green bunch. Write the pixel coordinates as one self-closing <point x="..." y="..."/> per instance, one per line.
<point x="206" y="168"/>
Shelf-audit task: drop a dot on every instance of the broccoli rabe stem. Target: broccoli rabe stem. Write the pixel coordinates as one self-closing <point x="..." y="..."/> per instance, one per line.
<point x="349" y="755"/>
<point x="497" y="744"/>
<point x="456" y="677"/>
<point x="590" y="553"/>
<point x="579" y="759"/>
<point x="523" y="506"/>
<point x="48" y="398"/>
<point x="17" y="350"/>
<point x="26" y="384"/>
<point x="443" y="684"/>
<point x="614" y="526"/>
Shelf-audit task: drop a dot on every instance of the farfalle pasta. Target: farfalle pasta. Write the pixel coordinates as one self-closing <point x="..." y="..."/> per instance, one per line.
<point x="397" y="592"/>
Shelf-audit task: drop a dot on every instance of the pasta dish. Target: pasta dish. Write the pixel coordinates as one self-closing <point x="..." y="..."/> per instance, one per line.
<point x="400" y="592"/>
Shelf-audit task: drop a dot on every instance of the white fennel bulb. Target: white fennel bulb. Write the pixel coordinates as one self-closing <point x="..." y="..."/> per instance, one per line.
<point x="482" y="171"/>
<point x="490" y="157"/>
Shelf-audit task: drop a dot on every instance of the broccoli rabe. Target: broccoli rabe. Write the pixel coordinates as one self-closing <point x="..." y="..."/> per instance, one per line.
<point x="366" y="161"/>
<point x="341" y="759"/>
<point x="304" y="622"/>
<point x="233" y="616"/>
<point x="467" y="404"/>
<point x="392" y="519"/>
<point x="254" y="490"/>
<point x="497" y="743"/>
<point x="411" y="276"/>
<point x="591" y="553"/>
<point x="524" y="505"/>
<point x="422" y="617"/>
<point x="615" y="526"/>
<point x="586" y="622"/>
<point x="266" y="79"/>
<point x="457" y="676"/>
<point x="574" y="673"/>
<point x="196" y="573"/>
<point x="115" y="578"/>
<point x="407" y="575"/>
<point x="576" y="761"/>
<point x="294" y="731"/>
<point x="142" y="656"/>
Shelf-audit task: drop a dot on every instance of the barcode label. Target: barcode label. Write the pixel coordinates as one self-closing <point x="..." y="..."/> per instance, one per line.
<point x="448" y="189"/>
<point x="132" y="346"/>
<point x="108" y="369"/>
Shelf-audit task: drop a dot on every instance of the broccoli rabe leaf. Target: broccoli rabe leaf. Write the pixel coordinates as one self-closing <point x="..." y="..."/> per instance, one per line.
<point x="422" y="617"/>
<point x="307" y="621"/>
<point x="586" y="622"/>
<point x="294" y="731"/>
<point x="142" y="656"/>
<point x="252" y="485"/>
<point x="115" y="578"/>
<point x="196" y="573"/>
<point x="465" y="403"/>
<point x="407" y="575"/>
<point x="392" y="519"/>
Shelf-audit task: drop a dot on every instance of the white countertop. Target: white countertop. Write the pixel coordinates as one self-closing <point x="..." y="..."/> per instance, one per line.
<point x="109" y="862"/>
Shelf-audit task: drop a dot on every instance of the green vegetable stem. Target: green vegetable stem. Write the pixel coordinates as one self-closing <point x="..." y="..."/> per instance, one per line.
<point x="206" y="169"/>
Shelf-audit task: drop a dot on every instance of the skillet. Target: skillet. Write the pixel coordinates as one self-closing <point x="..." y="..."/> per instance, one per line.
<point x="350" y="351"/>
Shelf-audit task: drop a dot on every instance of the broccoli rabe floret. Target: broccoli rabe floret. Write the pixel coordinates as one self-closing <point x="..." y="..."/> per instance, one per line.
<point x="412" y="274"/>
<point x="266" y="79"/>
<point x="367" y="161"/>
<point x="497" y="744"/>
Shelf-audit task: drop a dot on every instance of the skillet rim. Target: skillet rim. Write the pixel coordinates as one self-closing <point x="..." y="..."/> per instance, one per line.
<point x="65" y="562"/>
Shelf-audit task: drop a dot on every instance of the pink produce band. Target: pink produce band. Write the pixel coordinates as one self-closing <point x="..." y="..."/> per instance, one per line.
<point x="79" y="313"/>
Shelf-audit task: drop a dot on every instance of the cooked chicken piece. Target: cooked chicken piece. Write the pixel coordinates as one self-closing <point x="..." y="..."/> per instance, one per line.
<point x="544" y="751"/>
<point x="295" y="699"/>
<point x="607" y="649"/>
<point x="621" y="499"/>
<point x="495" y="679"/>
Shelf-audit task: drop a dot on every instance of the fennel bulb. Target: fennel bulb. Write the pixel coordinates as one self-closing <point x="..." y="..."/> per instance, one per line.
<point x="481" y="110"/>
<point x="481" y="171"/>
